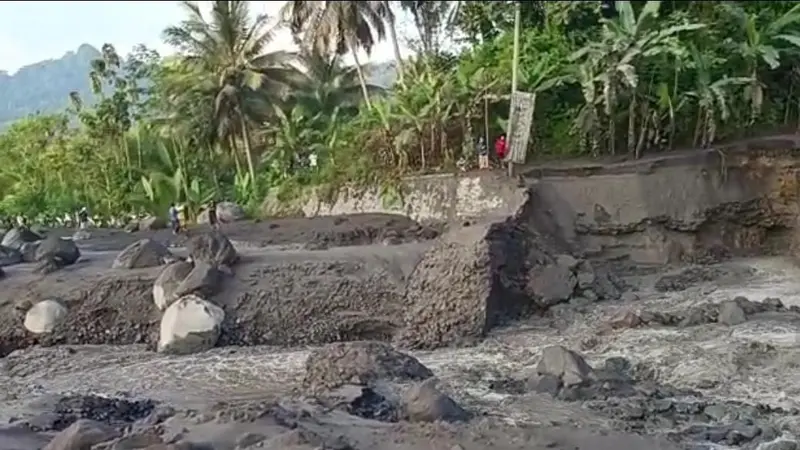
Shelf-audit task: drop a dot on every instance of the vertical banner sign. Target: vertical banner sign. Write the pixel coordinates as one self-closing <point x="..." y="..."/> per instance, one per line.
<point x="521" y="121"/>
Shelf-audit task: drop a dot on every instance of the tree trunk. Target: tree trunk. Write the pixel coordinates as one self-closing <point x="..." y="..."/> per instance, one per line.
<point x="395" y="44"/>
<point x="248" y="153"/>
<point x="361" y="78"/>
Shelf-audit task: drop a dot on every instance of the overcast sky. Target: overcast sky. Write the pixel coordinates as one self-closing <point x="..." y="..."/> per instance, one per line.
<point x="32" y="31"/>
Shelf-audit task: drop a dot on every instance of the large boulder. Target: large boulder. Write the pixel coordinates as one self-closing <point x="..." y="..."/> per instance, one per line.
<point x="63" y="250"/>
<point x="212" y="247"/>
<point x="28" y="251"/>
<point x="44" y="316"/>
<point x="190" y="325"/>
<point x="167" y="283"/>
<point x="227" y="212"/>
<point x="230" y="212"/>
<point x="451" y="291"/>
<point x="152" y="223"/>
<point x="9" y="256"/>
<point x="15" y="237"/>
<point x="565" y="365"/>
<point x="141" y="254"/>
<point x="204" y="280"/>
<point x="83" y="434"/>
<point x="360" y="363"/>
<point x="424" y="402"/>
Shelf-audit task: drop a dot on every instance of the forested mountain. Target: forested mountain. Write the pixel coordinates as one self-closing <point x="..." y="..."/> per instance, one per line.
<point x="45" y="85"/>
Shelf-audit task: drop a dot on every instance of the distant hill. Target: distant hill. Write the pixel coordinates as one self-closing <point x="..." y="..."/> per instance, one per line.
<point x="44" y="87"/>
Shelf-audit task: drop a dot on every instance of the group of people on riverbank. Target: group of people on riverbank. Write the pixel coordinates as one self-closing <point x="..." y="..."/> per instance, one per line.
<point x="500" y="151"/>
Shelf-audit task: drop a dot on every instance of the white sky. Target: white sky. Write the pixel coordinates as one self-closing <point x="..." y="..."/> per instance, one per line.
<point x="32" y="31"/>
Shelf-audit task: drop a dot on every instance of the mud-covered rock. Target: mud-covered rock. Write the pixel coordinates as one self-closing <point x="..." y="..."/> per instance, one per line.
<point x="730" y="313"/>
<point x="15" y="237"/>
<point x="203" y="280"/>
<point x="190" y="325"/>
<point x="82" y="435"/>
<point x="694" y="275"/>
<point x="9" y="256"/>
<point x="64" y="250"/>
<point x="141" y="254"/>
<point x="44" y="316"/>
<point x="48" y="265"/>
<point x="28" y="251"/>
<point x="81" y="235"/>
<point x="552" y="284"/>
<point x="450" y="292"/>
<point x="213" y="248"/>
<point x="227" y="212"/>
<point x="424" y="402"/>
<point x="359" y="363"/>
<point x="152" y="223"/>
<point x="166" y="285"/>
<point x="568" y="366"/>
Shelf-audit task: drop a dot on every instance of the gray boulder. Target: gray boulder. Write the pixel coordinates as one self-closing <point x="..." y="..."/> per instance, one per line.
<point x="167" y="283"/>
<point x="424" y="402"/>
<point x="213" y="248"/>
<point x="141" y="254"/>
<point x="28" y="251"/>
<point x="190" y="325"/>
<point x="15" y="237"/>
<point x="64" y="250"/>
<point x="731" y="313"/>
<point x="203" y="280"/>
<point x="564" y="364"/>
<point x="9" y="256"/>
<point x="82" y="435"/>
<point x="360" y="363"/>
<point x="152" y="223"/>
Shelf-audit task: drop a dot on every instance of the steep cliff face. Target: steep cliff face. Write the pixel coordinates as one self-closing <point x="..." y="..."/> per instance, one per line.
<point x="696" y="206"/>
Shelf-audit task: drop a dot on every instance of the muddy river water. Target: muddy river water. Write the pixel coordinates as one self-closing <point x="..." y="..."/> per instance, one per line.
<point x="722" y="362"/>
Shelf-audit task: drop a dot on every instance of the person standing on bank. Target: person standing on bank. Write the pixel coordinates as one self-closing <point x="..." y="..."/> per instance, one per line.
<point x="83" y="218"/>
<point x="174" y="218"/>
<point x="213" y="220"/>
<point x="483" y="153"/>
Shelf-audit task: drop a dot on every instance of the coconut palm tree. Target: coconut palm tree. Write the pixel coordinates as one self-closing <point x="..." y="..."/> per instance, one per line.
<point x="339" y="27"/>
<point x="326" y="85"/>
<point x="228" y="50"/>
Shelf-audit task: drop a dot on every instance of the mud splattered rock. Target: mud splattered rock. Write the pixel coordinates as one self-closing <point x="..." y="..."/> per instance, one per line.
<point x="203" y="280"/>
<point x="141" y="254"/>
<point x="167" y="283"/>
<point x="213" y="248"/>
<point x="81" y="235"/>
<point x="82" y="435"/>
<point x="48" y="265"/>
<point x="730" y="313"/>
<point x="450" y="292"/>
<point x="359" y="363"/>
<point x="424" y="402"/>
<point x="44" y="316"/>
<point x="152" y="223"/>
<point x="9" y="256"/>
<point x="626" y="319"/>
<point x="28" y="251"/>
<point x="15" y="237"/>
<point x="64" y="250"/>
<point x="569" y="367"/>
<point x="552" y="284"/>
<point x="190" y="325"/>
<point x="227" y="212"/>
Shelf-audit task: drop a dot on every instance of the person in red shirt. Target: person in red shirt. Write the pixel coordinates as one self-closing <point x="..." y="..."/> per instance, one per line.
<point x="501" y="147"/>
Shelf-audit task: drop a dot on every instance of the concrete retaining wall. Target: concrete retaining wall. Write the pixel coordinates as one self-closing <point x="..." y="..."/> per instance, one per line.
<point x="446" y="197"/>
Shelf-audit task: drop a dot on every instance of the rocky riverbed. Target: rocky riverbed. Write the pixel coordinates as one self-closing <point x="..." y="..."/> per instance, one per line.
<point x="491" y="335"/>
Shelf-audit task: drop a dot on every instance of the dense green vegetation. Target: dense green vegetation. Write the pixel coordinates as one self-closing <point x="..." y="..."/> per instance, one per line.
<point x="224" y="118"/>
